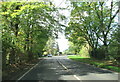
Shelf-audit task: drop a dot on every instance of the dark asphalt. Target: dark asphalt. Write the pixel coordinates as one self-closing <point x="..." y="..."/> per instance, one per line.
<point x="50" y="69"/>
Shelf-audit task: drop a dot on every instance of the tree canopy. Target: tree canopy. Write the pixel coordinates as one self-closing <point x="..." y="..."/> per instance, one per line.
<point x="26" y="28"/>
<point x="94" y="22"/>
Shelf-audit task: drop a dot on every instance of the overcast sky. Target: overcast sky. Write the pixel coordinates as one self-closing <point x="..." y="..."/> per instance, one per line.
<point x="62" y="41"/>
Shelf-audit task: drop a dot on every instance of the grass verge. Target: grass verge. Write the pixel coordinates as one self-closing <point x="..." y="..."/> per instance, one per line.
<point x="107" y="64"/>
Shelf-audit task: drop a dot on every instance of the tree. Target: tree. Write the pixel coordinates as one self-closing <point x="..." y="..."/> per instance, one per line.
<point x="114" y="46"/>
<point x="93" y="21"/>
<point x="26" y="28"/>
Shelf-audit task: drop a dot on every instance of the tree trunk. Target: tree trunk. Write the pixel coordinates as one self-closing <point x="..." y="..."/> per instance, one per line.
<point x="105" y="47"/>
<point x="12" y="56"/>
<point x="4" y="54"/>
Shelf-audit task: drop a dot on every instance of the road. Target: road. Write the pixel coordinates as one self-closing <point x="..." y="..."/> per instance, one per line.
<point x="62" y="68"/>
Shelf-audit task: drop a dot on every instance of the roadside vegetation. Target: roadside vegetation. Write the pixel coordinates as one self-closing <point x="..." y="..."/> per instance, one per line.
<point x="93" y="32"/>
<point x="107" y="64"/>
<point x="27" y="29"/>
<point x="30" y="29"/>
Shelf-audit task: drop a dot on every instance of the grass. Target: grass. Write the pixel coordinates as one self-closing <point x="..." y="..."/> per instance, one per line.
<point x="98" y="63"/>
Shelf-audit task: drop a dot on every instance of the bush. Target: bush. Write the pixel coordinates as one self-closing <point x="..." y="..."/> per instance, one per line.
<point x="98" y="53"/>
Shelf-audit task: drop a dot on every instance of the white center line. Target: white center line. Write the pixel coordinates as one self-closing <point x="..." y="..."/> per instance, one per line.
<point x="68" y="69"/>
<point x="76" y="77"/>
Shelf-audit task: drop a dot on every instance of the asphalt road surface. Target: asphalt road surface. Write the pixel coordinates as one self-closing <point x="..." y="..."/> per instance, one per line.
<point x="62" y="68"/>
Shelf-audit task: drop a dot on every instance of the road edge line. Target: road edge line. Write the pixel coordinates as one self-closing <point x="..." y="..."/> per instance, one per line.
<point x="27" y="72"/>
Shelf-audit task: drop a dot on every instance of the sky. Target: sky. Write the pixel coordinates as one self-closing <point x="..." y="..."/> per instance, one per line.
<point x="62" y="41"/>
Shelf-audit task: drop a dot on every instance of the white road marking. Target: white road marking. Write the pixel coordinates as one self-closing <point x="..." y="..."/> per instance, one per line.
<point x="68" y="69"/>
<point x="77" y="77"/>
<point x="39" y="62"/>
<point x="28" y="71"/>
<point x="62" y="65"/>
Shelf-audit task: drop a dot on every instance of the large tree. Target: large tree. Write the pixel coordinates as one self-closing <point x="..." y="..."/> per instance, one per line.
<point x="26" y="27"/>
<point x="94" y="22"/>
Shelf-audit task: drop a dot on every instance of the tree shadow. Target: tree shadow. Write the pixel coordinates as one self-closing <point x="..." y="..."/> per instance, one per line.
<point x="50" y="69"/>
<point x="82" y="69"/>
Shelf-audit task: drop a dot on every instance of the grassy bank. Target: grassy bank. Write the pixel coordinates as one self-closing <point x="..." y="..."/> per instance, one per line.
<point x="98" y="63"/>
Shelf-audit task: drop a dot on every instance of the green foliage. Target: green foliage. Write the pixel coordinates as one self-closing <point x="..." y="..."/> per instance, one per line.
<point x="26" y="28"/>
<point x="97" y="63"/>
<point x="117" y="69"/>
<point x="114" y="47"/>
<point x="84" y="51"/>
<point x="51" y="46"/>
<point x="92" y="21"/>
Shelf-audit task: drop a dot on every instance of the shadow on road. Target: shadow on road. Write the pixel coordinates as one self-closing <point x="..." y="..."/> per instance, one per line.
<point x="50" y="69"/>
<point x="81" y="68"/>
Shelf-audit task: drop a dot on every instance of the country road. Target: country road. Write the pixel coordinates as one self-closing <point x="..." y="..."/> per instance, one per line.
<point x="62" y="68"/>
